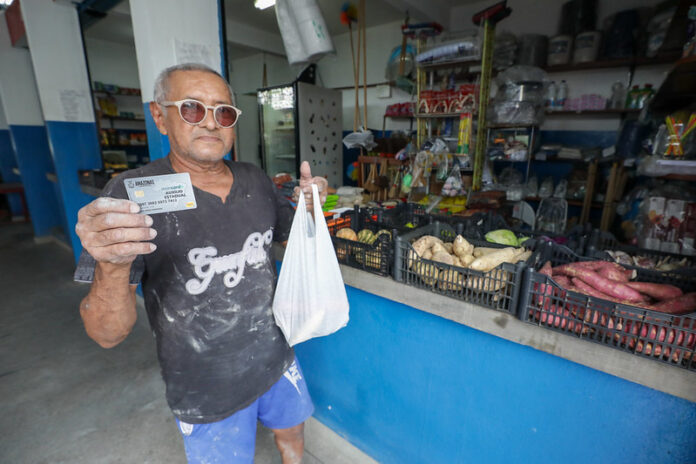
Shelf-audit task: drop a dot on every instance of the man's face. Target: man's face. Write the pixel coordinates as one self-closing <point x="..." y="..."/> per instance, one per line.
<point x="206" y="141"/>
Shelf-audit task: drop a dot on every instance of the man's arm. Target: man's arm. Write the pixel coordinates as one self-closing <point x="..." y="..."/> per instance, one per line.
<point x="108" y="310"/>
<point x="114" y="234"/>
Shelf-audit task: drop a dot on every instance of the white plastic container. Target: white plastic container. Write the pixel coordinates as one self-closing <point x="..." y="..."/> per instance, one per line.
<point x="560" y="48"/>
<point x="586" y="46"/>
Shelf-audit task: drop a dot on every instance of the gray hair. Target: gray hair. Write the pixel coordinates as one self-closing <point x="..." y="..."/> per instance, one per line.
<point x="162" y="81"/>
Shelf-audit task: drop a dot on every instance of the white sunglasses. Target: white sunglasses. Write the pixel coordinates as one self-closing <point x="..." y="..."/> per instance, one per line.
<point x="194" y="112"/>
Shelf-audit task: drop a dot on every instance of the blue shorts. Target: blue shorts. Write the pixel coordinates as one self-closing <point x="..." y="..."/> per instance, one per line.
<point x="233" y="440"/>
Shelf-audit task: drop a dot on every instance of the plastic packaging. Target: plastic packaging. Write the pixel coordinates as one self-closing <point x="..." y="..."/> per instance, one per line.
<point x="520" y="96"/>
<point x="454" y="185"/>
<point x="552" y="215"/>
<point x="632" y="97"/>
<point x="550" y="100"/>
<point x="586" y="46"/>
<point x="618" y="96"/>
<point x="645" y="95"/>
<point x="562" y="94"/>
<point x="468" y="47"/>
<point x="546" y="187"/>
<point x="533" y="186"/>
<point x="561" y="189"/>
<point x="303" y="29"/>
<point x="310" y="299"/>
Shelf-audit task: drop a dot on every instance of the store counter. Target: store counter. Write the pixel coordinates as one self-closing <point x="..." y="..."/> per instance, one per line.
<point x="419" y="377"/>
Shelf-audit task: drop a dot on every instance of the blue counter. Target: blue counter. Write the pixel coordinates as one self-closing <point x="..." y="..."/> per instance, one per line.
<point x="416" y="377"/>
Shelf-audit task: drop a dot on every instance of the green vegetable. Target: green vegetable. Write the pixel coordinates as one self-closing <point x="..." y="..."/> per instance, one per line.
<point x="521" y="240"/>
<point x="503" y="237"/>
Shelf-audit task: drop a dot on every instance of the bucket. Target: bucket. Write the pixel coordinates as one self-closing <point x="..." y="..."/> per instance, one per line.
<point x="586" y="46"/>
<point x="559" y="50"/>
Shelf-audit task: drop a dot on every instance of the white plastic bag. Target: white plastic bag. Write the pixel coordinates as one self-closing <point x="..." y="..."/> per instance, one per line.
<point x="310" y="299"/>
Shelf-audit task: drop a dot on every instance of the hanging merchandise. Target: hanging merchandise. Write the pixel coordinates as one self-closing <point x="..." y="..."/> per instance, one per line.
<point x="310" y="299"/>
<point x="454" y="186"/>
<point x="305" y="35"/>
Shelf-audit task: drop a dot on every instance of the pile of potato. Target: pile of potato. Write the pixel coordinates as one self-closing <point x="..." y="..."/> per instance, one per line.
<point x="461" y="253"/>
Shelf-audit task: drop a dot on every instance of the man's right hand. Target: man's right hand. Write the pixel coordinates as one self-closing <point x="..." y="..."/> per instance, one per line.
<point x="112" y="232"/>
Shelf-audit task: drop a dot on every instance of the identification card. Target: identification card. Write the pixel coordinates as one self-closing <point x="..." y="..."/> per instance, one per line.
<point x="161" y="194"/>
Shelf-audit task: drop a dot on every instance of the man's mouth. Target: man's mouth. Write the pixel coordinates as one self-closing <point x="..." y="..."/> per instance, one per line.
<point x="208" y="138"/>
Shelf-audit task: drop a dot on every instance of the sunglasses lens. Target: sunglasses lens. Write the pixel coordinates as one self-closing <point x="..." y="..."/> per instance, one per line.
<point x="226" y="116"/>
<point x="192" y="111"/>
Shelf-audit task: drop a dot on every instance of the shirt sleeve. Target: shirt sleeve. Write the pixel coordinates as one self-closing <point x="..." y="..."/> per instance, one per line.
<point x="84" y="272"/>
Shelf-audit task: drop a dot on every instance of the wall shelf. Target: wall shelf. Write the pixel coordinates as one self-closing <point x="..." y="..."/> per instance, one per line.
<point x="621" y="63"/>
<point x="604" y="112"/>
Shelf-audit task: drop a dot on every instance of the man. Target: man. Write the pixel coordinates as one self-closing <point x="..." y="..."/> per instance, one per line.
<point x="207" y="278"/>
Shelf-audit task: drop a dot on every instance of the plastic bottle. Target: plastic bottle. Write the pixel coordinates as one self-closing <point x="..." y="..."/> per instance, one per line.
<point x="618" y="96"/>
<point x="632" y="97"/>
<point x="562" y="94"/>
<point x="550" y="100"/>
<point x="646" y="94"/>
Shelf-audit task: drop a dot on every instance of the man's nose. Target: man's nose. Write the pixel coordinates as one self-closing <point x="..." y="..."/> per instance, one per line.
<point x="209" y="120"/>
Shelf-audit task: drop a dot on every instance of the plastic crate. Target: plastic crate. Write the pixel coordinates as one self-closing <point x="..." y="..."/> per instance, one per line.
<point x="643" y="332"/>
<point x="575" y="239"/>
<point x="400" y="215"/>
<point x="376" y="258"/>
<point x="497" y="289"/>
<point x="475" y="226"/>
<point x="601" y="242"/>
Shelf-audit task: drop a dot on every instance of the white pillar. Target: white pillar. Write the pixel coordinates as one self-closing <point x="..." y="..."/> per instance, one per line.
<point x="169" y="32"/>
<point x="57" y="55"/>
<point x="20" y="102"/>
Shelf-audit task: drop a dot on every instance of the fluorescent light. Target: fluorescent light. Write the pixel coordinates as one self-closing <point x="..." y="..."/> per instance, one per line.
<point x="260" y="4"/>
<point x="9" y="2"/>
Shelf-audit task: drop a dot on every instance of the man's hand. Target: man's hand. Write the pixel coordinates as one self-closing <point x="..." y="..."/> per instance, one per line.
<point x="112" y="232"/>
<point x="306" y="181"/>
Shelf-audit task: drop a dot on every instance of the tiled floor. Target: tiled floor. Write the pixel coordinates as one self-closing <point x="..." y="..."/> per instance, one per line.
<point x="66" y="400"/>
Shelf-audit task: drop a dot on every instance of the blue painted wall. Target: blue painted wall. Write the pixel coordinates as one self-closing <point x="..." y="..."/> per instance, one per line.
<point x="33" y="155"/>
<point x="74" y="146"/>
<point x="7" y="163"/>
<point x="409" y="387"/>
<point x="157" y="143"/>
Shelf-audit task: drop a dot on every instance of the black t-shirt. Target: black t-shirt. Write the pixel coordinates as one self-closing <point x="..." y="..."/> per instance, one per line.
<point x="208" y="292"/>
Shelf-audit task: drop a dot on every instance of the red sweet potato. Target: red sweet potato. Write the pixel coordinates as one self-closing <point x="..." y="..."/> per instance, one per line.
<point x="612" y="273"/>
<point x="562" y="280"/>
<point x="588" y="290"/>
<point x="657" y="291"/>
<point x="614" y="289"/>
<point x="680" y="305"/>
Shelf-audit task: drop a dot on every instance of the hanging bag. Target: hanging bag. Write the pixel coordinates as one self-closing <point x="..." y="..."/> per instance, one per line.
<point x="310" y="299"/>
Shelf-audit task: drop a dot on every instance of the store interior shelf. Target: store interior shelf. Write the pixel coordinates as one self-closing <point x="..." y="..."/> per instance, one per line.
<point x="121" y="118"/>
<point x="399" y="116"/>
<point x="595" y="204"/>
<point x="438" y="115"/>
<point x="604" y="112"/>
<point x="119" y="93"/>
<point x="621" y="63"/>
<point x="449" y="64"/>
<point x="509" y="126"/>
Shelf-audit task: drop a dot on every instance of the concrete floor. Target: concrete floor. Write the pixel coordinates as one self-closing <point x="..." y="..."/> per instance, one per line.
<point x="66" y="400"/>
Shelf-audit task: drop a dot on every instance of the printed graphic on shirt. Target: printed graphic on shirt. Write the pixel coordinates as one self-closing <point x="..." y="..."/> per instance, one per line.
<point x="293" y="376"/>
<point x="206" y="263"/>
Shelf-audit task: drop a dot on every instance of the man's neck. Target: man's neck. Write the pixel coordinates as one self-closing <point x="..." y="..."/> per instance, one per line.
<point x="201" y="169"/>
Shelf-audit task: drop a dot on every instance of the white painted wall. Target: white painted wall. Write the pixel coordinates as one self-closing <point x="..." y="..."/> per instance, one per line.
<point x="18" y="92"/>
<point x="112" y="63"/>
<point x="53" y="33"/>
<point x="161" y="27"/>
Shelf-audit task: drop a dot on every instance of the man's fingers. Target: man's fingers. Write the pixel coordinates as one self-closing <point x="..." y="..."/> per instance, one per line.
<point x="105" y="204"/>
<point x="119" y="220"/>
<point x="305" y="172"/>
<point x="123" y="252"/>
<point x="123" y="234"/>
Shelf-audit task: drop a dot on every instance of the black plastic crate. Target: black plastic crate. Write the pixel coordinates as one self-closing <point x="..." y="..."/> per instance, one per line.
<point x="576" y="238"/>
<point x="376" y="258"/>
<point x="475" y="226"/>
<point x="640" y="331"/>
<point x="497" y="289"/>
<point x="399" y="216"/>
<point x="601" y="242"/>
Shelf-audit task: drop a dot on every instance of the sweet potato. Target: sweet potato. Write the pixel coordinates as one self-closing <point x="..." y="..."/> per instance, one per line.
<point x="493" y="281"/>
<point x="657" y="291"/>
<point x="612" y="273"/>
<point x="450" y="279"/>
<point x="612" y="288"/>
<point x="441" y="256"/>
<point x="562" y="280"/>
<point x="680" y="305"/>
<point x="482" y="251"/>
<point x="589" y="290"/>
<point x="461" y="247"/>
<point x="467" y="260"/>
<point x="438" y="248"/>
<point x="492" y="260"/>
<point x="449" y="247"/>
<point x="522" y="255"/>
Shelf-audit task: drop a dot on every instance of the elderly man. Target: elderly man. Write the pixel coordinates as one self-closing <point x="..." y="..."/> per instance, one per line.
<point x="207" y="278"/>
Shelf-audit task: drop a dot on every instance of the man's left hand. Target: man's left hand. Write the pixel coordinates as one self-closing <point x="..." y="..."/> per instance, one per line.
<point x="306" y="181"/>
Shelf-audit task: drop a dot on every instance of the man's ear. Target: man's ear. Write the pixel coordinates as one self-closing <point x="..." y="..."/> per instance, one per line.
<point x="158" y="117"/>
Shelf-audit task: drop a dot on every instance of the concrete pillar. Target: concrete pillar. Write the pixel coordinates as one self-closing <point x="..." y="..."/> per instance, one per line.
<point x="27" y="133"/>
<point x="169" y="32"/>
<point x="8" y="165"/>
<point x="57" y="54"/>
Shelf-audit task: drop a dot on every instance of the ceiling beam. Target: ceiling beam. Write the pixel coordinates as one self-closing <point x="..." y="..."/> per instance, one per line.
<point x="432" y="10"/>
<point x="249" y="36"/>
